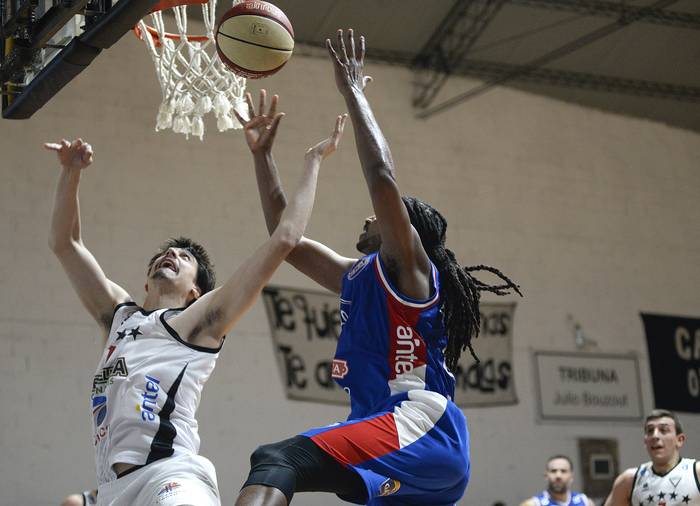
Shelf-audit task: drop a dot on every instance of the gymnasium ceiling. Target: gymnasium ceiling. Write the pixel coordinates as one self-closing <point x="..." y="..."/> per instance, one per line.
<point x="634" y="57"/>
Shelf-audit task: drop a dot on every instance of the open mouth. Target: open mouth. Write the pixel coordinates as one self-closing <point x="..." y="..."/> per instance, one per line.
<point x="166" y="263"/>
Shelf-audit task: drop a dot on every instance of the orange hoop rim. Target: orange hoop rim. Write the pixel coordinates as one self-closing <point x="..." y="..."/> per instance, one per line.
<point x="169" y="4"/>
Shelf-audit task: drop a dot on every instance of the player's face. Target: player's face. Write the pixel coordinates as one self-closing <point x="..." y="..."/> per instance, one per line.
<point x="661" y="441"/>
<point x="177" y="266"/>
<point x="559" y="476"/>
<point x="369" y="240"/>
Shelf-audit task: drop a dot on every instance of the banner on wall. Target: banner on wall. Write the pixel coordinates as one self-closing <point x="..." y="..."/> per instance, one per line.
<point x="673" y="343"/>
<point x="584" y="386"/>
<point x="305" y="326"/>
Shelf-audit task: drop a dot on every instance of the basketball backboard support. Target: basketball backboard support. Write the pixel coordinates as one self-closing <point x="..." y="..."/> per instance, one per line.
<point x="44" y="44"/>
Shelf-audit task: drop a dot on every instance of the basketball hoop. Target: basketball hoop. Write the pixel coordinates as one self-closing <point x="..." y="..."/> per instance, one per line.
<point x="192" y="78"/>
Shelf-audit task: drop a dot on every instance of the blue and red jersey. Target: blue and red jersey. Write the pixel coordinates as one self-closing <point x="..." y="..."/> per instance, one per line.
<point x="389" y="343"/>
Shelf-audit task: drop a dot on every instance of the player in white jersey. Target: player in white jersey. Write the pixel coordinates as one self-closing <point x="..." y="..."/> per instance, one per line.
<point x="667" y="479"/>
<point x="158" y="355"/>
<point x="559" y="474"/>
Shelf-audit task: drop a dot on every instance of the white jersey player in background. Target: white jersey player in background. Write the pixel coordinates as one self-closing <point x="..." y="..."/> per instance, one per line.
<point x="158" y="355"/>
<point x="666" y="480"/>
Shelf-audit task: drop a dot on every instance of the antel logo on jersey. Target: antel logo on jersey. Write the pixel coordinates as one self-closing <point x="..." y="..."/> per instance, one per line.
<point x="339" y="369"/>
<point x="100" y="381"/>
<point x="357" y="268"/>
<point x="150" y="399"/>
<point x="406" y="345"/>
<point x="388" y="487"/>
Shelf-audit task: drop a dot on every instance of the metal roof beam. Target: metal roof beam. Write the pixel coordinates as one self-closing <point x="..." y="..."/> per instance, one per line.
<point x="543" y="60"/>
<point x="610" y="9"/>
<point x="448" y="44"/>
<point x="493" y="70"/>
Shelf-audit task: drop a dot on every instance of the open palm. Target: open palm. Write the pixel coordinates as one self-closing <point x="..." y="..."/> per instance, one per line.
<point x="327" y="147"/>
<point x="261" y="128"/>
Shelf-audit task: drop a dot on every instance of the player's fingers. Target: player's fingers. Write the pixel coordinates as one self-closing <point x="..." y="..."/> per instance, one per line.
<point x="332" y="52"/>
<point x="263" y="99"/>
<point x="366" y="81"/>
<point x="343" y="120"/>
<point x="338" y="126"/>
<point x="240" y="118"/>
<point x="251" y="107"/>
<point x="65" y="143"/>
<point x="341" y="47"/>
<point x="351" y="43"/>
<point x="361" y="55"/>
<point x="273" y="106"/>
<point x="52" y="146"/>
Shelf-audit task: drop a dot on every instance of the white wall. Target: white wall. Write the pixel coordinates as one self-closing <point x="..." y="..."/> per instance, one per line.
<point x="593" y="214"/>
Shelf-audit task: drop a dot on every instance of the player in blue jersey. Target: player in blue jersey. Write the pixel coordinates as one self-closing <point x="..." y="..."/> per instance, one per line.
<point x="559" y="474"/>
<point x="408" y="310"/>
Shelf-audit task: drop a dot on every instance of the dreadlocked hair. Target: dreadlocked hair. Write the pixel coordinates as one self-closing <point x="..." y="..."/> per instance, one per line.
<point x="460" y="291"/>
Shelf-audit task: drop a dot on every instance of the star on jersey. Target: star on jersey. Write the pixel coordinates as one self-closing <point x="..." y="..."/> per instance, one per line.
<point x="673" y="495"/>
<point x="120" y="335"/>
<point x="686" y="499"/>
<point x="650" y="498"/>
<point x="135" y="332"/>
<point x="661" y="495"/>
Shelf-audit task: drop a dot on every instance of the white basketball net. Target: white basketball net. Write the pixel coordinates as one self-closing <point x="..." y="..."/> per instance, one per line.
<point x="192" y="77"/>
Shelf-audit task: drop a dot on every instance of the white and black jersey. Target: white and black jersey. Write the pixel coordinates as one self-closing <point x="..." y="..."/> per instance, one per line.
<point x="678" y="487"/>
<point x="146" y="390"/>
<point x="89" y="497"/>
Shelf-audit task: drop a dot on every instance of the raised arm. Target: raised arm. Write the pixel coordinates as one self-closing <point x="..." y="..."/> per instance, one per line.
<point x="401" y="247"/>
<point x="212" y="316"/>
<point x="312" y="258"/>
<point x="622" y="489"/>
<point x="98" y="294"/>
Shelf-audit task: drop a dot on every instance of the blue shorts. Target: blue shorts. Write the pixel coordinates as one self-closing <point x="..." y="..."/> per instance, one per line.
<point x="414" y="452"/>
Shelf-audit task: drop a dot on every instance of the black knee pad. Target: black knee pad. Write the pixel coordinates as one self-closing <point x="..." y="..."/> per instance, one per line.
<point x="270" y="465"/>
<point x="298" y="465"/>
<point x="268" y="454"/>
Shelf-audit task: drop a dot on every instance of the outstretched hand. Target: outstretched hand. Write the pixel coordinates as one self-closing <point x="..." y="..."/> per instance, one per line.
<point x="348" y="63"/>
<point x="327" y="147"/>
<point x="72" y="155"/>
<point x="261" y="127"/>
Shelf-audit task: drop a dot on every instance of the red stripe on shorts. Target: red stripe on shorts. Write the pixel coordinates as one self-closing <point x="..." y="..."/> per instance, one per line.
<point x="361" y="441"/>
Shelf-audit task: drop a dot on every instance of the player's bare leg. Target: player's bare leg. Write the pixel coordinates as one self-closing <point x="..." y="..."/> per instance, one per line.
<point x="260" y="495"/>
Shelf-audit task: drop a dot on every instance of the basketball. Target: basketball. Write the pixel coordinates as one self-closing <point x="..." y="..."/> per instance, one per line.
<point x="254" y="39"/>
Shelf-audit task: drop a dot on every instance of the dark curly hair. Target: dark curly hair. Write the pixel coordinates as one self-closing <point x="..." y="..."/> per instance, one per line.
<point x="460" y="291"/>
